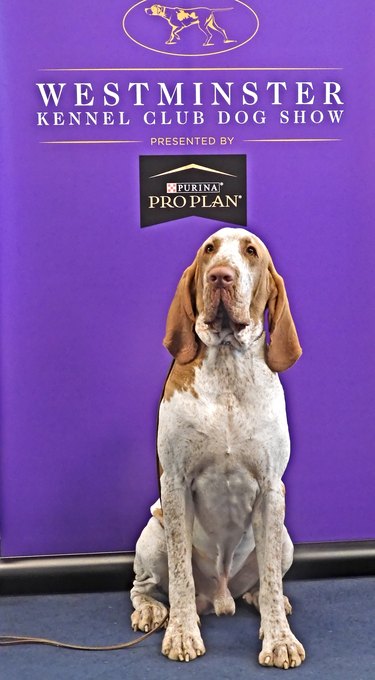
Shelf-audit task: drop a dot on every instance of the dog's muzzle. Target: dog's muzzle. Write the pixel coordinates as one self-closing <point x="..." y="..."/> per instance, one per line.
<point x="221" y="277"/>
<point x="221" y="305"/>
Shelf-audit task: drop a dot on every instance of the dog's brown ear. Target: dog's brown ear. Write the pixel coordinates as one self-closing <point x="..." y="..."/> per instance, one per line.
<point x="284" y="348"/>
<point x="180" y="339"/>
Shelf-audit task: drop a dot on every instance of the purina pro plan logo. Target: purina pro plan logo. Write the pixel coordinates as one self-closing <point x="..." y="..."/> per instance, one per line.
<point x="173" y="187"/>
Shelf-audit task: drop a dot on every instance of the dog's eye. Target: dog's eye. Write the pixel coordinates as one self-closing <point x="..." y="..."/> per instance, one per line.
<point x="209" y="248"/>
<point x="251" y="250"/>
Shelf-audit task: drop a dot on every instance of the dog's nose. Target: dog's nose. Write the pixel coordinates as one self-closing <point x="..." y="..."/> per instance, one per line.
<point x="221" y="277"/>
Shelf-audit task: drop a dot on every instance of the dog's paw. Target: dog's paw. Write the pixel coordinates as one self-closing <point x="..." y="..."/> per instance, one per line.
<point x="287" y="606"/>
<point x="284" y="651"/>
<point x="224" y="605"/>
<point x="182" y="641"/>
<point x="148" y="616"/>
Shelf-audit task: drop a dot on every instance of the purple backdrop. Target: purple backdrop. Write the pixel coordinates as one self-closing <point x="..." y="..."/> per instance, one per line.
<point x="86" y="291"/>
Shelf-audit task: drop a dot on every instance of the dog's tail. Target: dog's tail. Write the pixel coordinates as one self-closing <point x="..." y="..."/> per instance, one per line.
<point x="217" y="9"/>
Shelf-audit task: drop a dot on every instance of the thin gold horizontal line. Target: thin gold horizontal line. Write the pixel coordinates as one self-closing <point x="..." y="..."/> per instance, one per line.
<point x="205" y="68"/>
<point x="294" y="140"/>
<point x="96" y="141"/>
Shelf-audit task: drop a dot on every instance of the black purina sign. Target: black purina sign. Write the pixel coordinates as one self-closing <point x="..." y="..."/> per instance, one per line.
<point x="212" y="186"/>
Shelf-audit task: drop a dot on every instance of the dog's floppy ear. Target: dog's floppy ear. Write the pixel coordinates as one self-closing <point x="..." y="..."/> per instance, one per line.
<point x="284" y="348"/>
<point x="180" y="339"/>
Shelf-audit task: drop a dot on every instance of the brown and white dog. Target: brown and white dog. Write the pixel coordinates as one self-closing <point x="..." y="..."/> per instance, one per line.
<point x="223" y="446"/>
<point x="180" y="17"/>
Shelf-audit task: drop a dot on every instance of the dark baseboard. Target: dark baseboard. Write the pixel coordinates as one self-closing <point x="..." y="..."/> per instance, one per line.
<point x="88" y="573"/>
<point x="333" y="560"/>
<point x="66" y="574"/>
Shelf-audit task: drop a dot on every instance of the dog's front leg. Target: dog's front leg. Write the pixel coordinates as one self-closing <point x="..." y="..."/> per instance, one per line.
<point x="182" y="640"/>
<point x="280" y="647"/>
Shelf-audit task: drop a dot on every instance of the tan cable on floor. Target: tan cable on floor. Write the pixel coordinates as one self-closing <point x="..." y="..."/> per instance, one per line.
<point x="6" y="640"/>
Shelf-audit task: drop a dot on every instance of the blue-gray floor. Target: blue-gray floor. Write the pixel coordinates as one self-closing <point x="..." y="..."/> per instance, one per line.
<point x="333" y="618"/>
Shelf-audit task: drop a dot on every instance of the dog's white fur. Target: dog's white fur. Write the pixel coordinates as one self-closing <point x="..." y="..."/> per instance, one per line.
<point x="223" y="445"/>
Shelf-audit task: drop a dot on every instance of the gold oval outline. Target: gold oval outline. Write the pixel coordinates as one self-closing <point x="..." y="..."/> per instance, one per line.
<point x="179" y="54"/>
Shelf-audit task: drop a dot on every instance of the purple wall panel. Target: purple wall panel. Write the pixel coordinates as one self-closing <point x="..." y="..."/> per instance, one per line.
<point x="86" y="291"/>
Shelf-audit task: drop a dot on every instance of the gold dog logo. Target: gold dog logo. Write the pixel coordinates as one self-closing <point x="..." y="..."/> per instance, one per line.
<point x="212" y="30"/>
<point x="179" y="18"/>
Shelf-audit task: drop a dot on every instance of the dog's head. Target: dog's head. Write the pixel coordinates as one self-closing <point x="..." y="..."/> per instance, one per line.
<point x="155" y="10"/>
<point x="222" y="297"/>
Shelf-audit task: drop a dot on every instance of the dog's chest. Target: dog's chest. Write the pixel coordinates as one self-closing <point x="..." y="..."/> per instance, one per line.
<point x="222" y="432"/>
<point x="220" y="422"/>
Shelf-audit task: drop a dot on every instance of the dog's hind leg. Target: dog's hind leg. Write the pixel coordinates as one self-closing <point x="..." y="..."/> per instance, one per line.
<point x="207" y="33"/>
<point x="151" y="578"/>
<point x="212" y="23"/>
